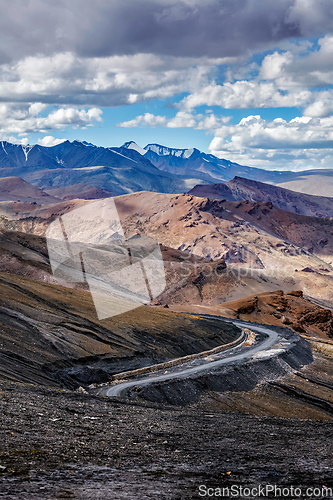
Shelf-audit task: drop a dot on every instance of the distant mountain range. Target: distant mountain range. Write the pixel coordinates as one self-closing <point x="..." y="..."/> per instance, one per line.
<point x="81" y="168"/>
<point x="194" y="163"/>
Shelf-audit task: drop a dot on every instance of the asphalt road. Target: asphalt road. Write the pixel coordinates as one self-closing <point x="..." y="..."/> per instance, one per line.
<point x="204" y="364"/>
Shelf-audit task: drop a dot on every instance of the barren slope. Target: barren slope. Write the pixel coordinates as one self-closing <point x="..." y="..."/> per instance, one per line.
<point x="265" y="248"/>
<point x="51" y="335"/>
<point x="240" y="188"/>
<point x="81" y="191"/>
<point x="262" y="245"/>
<point x="16" y="189"/>
<point x="283" y="309"/>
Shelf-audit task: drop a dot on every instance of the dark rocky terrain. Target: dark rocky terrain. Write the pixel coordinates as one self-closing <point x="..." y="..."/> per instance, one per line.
<point x="51" y="335"/>
<point x="60" y="444"/>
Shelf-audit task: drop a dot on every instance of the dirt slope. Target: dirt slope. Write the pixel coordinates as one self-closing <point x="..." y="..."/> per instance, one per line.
<point x="283" y="309"/>
<point x="46" y="328"/>
<point x="81" y="191"/>
<point x="16" y="189"/>
<point x="265" y="248"/>
<point x="240" y="188"/>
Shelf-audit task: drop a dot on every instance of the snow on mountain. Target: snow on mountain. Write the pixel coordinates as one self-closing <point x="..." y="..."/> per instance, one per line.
<point x="130" y="168"/>
<point x="117" y="170"/>
<point x="133" y="145"/>
<point x="208" y="167"/>
<point x="164" y="151"/>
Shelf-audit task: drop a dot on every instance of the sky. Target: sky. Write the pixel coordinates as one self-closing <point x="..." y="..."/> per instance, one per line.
<point x="246" y="80"/>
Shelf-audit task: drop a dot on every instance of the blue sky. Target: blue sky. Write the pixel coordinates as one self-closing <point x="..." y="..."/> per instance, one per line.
<point x="246" y="80"/>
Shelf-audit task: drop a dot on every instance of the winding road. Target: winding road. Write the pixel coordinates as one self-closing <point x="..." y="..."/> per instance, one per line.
<point x="239" y="352"/>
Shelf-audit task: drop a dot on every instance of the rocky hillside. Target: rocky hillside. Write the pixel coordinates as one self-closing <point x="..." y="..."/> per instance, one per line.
<point x="51" y="335"/>
<point x="283" y="309"/>
<point x="265" y="248"/>
<point x="245" y="189"/>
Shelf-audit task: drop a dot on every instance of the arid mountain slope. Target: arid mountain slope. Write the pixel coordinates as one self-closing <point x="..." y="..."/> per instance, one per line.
<point x="50" y="334"/>
<point x="283" y="309"/>
<point x="268" y="248"/>
<point x="16" y="189"/>
<point x="316" y="182"/>
<point x="81" y="191"/>
<point x="245" y="189"/>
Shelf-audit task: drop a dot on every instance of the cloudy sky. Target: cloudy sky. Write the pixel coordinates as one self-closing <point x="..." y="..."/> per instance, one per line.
<point x="247" y="80"/>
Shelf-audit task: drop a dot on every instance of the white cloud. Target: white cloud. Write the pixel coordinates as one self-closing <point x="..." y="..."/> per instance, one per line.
<point x="36" y="108"/>
<point x="182" y="119"/>
<point x="246" y="95"/>
<point x="24" y="119"/>
<point x="49" y="141"/>
<point x="112" y="81"/>
<point x="13" y="139"/>
<point x="273" y="65"/>
<point x="146" y="120"/>
<point x="320" y="108"/>
<point x="301" y="143"/>
<point x="81" y="56"/>
<point x="313" y="69"/>
<point x="293" y="78"/>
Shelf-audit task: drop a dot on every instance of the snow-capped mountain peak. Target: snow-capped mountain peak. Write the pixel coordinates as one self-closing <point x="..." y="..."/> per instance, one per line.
<point x="133" y="145"/>
<point x="164" y="151"/>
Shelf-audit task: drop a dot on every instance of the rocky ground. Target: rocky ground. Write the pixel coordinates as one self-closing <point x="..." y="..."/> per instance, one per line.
<point x="62" y="444"/>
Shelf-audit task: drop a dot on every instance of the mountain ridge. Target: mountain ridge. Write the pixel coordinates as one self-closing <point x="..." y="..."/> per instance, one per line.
<point x="241" y="189"/>
<point x="175" y="160"/>
<point x="130" y="168"/>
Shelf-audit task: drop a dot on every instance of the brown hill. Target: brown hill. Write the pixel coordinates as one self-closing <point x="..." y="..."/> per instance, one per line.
<point x="82" y="191"/>
<point x="240" y="188"/>
<point x="283" y="309"/>
<point x="16" y="189"/>
<point x="265" y="248"/>
<point x="314" y="182"/>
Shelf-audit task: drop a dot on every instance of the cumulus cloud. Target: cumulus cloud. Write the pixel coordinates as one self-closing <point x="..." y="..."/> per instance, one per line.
<point x="24" y="141"/>
<point x="112" y="81"/>
<point x="49" y="141"/>
<point x="81" y="56"/>
<point x="115" y="53"/>
<point x="146" y="120"/>
<point x="302" y="142"/>
<point x="315" y="69"/>
<point x="287" y="79"/>
<point x="24" y="119"/>
<point x="247" y="94"/>
<point x="182" y="119"/>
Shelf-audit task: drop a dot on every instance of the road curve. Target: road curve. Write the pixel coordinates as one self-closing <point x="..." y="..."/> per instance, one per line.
<point x="225" y="357"/>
